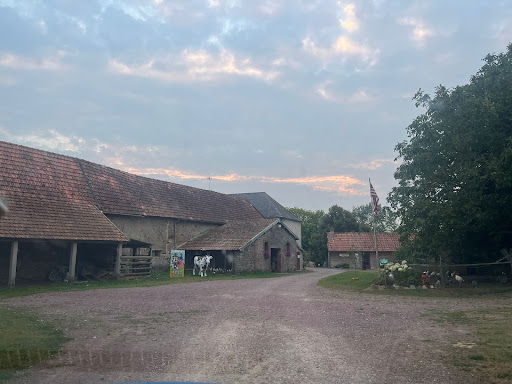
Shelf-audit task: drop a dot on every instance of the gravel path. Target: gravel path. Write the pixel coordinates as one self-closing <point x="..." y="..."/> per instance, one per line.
<point x="282" y="330"/>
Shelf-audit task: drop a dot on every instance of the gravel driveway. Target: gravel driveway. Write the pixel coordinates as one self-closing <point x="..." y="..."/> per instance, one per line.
<point x="282" y="330"/>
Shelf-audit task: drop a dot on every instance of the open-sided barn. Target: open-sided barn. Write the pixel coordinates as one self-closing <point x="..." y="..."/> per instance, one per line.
<point x="70" y="212"/>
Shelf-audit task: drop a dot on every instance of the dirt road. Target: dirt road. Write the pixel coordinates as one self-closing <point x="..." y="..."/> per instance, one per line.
<point x="282" y="330"/>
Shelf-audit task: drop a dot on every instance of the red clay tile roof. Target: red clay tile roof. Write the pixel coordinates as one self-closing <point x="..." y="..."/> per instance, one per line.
<point x="362" y="241"/>
<point x="120" y="192"/>
<point x="54" y="196"/>
<point x="49" y="198"/>
<point x="231" y="236"/>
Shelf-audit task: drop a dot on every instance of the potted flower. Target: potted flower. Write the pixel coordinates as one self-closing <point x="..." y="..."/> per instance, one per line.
<point x="288" y="253"/>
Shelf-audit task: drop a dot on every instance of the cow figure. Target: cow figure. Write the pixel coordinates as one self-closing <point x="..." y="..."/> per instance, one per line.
<point x="202" y="263"/>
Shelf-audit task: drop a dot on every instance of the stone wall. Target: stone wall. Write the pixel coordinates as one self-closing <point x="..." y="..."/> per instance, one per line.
<point x="355" y="259"/>
<point x="159" y="232"/>
<point x="253" y="257"/>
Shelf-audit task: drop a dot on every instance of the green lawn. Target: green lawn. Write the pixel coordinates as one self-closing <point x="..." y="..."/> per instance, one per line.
<point x="25" y="341"/>
<point x="344" y="282"/>
<point x="156" y="278"/>
<point x="350" y="280"/>
<point x="491" y="355"/>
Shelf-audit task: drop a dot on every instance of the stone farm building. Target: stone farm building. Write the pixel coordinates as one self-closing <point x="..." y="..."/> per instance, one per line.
<point x="271" y="209"/>
<point x="88" y="217"/>
<point x="357" y="249"/>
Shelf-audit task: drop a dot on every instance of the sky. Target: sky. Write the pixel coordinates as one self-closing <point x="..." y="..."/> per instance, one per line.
<point x="304" y="100"/>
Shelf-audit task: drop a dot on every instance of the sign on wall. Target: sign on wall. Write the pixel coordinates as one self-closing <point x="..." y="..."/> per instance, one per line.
<point x="177" y="263"/>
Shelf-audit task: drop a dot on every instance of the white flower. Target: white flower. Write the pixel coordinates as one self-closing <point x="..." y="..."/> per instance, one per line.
<point x="400" y="269"/>
<point x="404" y="262"/>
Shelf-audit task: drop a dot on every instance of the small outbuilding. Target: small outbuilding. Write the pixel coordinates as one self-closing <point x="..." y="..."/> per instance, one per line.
<point x="356" y="250"/>
<point x="242" y="246"/>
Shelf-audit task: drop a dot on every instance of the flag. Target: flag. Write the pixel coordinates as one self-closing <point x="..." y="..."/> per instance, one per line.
<point x="375" y="199"/>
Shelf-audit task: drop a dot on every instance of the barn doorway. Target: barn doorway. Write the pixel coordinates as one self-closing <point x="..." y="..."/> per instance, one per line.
<point x="275" y="259"/>
<point x="366" y="260"/>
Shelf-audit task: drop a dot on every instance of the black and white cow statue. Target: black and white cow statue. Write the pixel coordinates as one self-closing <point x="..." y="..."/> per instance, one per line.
<point x="202" y="263"/>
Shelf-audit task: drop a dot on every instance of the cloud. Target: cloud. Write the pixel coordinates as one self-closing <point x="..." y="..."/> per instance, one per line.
<point x="341" y="184"/>
<point x="374" y="164"/>
<point x="213" y="3"/>
<point x="270" y="7"/>
<point x="119" y="156"/>
<point x="360" y="96"/>
<point x="350" y="23"/>
<point x="343" y="47"/>
<point x="53" y="63"/>
<point x="420" y="30"/>
<point x="54" y="141"/>
<point x="194" y="66"/>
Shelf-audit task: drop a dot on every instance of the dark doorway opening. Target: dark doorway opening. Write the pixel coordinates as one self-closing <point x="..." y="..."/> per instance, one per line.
<point x="275" y="259"/>
<point x="366" y="260"/>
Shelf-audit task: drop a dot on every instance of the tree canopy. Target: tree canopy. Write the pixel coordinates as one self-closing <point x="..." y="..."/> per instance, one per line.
<point x="385" y="220"/>
<point x="316" y="224"/>
<point x="454" y="193"/>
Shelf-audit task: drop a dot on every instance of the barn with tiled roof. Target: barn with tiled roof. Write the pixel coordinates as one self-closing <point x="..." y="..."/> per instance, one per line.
<point x="357" y="249"/>
<point x="72" y="213"/>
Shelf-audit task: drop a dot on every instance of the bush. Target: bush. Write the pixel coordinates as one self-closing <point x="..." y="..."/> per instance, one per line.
<point x="402" y="274"/>
<point x="342" y="266"/>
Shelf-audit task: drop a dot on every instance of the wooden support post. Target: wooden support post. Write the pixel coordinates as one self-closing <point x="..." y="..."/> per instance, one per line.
<point x="72" y="263"/>
<point x="13" y="263"/>
<point x="117" y="267"/>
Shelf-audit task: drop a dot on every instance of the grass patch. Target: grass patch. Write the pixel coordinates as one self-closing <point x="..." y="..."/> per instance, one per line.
<point x="344" y="282"/>
<point x="25" y="341"/>
<point x="492" y="354"/>
<point x="157" y="278"/>
<point x="350" y="280"/>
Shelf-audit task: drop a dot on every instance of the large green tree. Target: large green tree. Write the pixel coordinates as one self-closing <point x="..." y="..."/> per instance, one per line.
<point x="385" y="220"/>
<point x="340" y="220"/>
<point x="454" y="193"/>
<point x="313" y="235"/>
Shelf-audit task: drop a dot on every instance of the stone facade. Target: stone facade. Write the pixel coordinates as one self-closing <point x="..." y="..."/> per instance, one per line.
<point x="159" y="232"/>
<point x="253" y="258"/>
<point x="355" y="259"/>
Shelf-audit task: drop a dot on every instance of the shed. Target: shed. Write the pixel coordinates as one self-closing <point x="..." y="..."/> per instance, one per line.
<point x="249" y="245"/>
<point x="357" y="249"/>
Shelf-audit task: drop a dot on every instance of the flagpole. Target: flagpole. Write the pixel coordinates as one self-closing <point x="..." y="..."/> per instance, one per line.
<point x="374" y="231"/>
<point x="375" y="239"/>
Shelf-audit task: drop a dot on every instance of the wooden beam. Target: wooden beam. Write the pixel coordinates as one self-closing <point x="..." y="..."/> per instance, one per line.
<point x="117" y="266"/>
<point x="13" y="263"/>
<point x="72" y="263"/>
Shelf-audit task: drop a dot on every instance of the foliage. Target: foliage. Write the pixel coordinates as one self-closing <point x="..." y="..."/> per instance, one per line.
<point x="340" y="220"/>
<point x="316" y="224"/>
<point x="385" y="220"/>
<point x="454" y="193"/>
<point x="313" y="236"/>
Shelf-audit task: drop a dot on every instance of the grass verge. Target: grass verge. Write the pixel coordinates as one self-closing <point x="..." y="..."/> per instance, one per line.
<point x="359" y="281"/>
<point x="350" y="280"/>
<point x="489" y="353"/>
<point x="156" y="278"/>
<point x="25" y="341"/>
